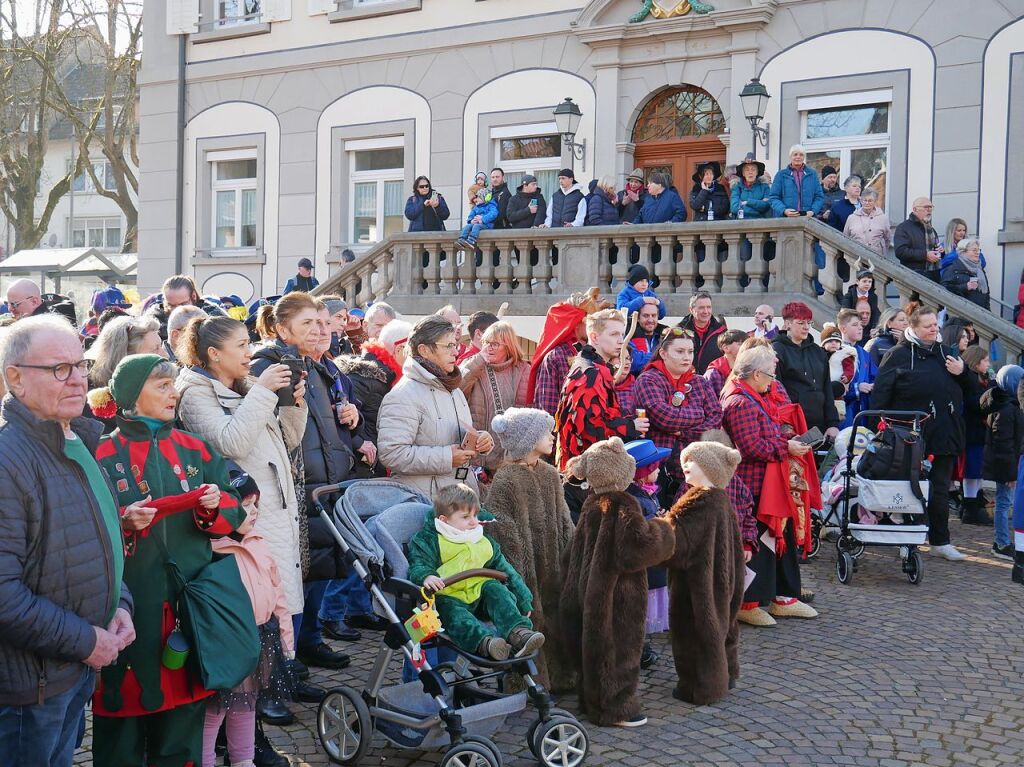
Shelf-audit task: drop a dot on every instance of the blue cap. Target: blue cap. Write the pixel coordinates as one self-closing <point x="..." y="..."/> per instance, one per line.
<point x="108" y="297"/>
<point x="645" y="452"/>
<point x="356" y="313"/>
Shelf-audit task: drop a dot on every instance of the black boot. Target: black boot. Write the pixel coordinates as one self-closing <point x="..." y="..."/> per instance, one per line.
<point x="266" y="756"/>
<point x="972" y="510"/>
<point x="1017" y="574"/>
<point x="648" y="657"/>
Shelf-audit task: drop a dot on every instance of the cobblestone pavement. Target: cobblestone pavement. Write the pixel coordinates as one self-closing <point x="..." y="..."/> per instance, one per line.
<point x="889" y="675"/>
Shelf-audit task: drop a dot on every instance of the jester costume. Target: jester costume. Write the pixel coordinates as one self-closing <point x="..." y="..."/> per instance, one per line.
<point x="462" y="606"/>
<point x="588" y="410"/>
<point x="145" y="713"/>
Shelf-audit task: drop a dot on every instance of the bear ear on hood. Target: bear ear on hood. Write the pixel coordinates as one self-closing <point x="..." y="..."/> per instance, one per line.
<point x="574" y="467"/>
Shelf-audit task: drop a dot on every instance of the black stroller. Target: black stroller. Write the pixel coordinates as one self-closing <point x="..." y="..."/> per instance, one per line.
<point x="887" y="511"/>
<point x="454" y="705"/>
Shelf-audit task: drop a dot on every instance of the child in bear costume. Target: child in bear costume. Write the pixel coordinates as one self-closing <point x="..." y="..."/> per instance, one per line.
<point x="604" y="599"/>
<point x="706" y="572"/>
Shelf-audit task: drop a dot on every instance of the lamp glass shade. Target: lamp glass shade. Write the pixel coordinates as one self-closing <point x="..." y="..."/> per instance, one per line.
<point x="754" y="97"/>
<point x="567" y="117"/>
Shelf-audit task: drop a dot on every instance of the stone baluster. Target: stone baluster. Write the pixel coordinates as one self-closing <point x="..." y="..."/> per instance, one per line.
<point x="757" y="269"/>
<point x="449" y="269"/>
<point x="431" y="269"/>
<point x="829" y="276"/>
<point x="882" y="290"/>
<point x="522" y="273"/>
<point x="708" y="269"/>
<point x="485" y="271"/>
<point x="665" y="268"/>
<point x="617" y="246"/>
<point x="542" y="271"/>
<point x="732" y="267"/>
<point x="686" y="266"/>
<point x="506" y="265"/>
<point x="621" y="267"/>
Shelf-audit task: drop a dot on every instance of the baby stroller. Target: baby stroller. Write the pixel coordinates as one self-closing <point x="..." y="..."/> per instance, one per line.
<point x="884" y="498"/>
<point x="454" y="704"/>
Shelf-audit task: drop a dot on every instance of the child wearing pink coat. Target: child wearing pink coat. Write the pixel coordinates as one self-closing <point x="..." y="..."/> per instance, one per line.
<point x="237" y="708"/>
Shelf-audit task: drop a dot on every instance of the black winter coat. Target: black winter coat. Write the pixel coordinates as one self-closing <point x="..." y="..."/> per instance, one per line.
<point x="849" y="301"/>
<point x="880" y="346"/>
<point x="600" y="210"/>
<point x="705" y="350"/>
<point x="55" y="555"/>
<point x="974" y="421"/>
<point x="719" y="198"/>
<point x="1004" y="435"/>
<point x="371" y="380"/>
<point x="911" y="245"/>
<point x="501" y="197"/>
<point x="628" y="210"/>
<point x="519" y="215"/>
<point x="803" y="370"/>
<point x="955" y="280"/>
<point x="914" y="377"/>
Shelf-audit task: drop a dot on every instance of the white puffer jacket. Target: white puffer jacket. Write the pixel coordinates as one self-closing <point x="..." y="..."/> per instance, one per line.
<point x="251" y="432"/>
<point x="418" y="422"/>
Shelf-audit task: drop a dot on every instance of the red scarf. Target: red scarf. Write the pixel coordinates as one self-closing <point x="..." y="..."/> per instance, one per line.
<point x="678" y="383"/>
<point x="721" y="364"/>
<point x="380" y="351"/>
<point x="769" y="405"/>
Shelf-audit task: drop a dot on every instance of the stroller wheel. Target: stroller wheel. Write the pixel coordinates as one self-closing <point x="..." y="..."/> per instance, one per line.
<point x="343" y="725"/>
<point x="486" y="743"/>
<point x="914" y="567"/>
<point x="844" y="567"/>
<point x="561" y="742"/>
<point x="532" y="731"/>
<point x="815" y="537"/>
<point x="469" y="755"/>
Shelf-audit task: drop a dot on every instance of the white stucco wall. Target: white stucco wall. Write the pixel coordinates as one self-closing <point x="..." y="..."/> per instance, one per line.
<point x="828" y="56"/>
<point x="232" y="119"/>
<point x="994" y="126"/>
<point x="369" y="105"/>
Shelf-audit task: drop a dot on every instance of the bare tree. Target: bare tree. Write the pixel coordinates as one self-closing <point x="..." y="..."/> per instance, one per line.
<point x="32" y="52"/>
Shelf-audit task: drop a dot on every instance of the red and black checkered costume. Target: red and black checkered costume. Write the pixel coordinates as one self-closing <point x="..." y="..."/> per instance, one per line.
<point x="674" y="426"/>
<point x="588" y="410"/>
<point x="758" y="438"/>
<point x="551" y="374"/>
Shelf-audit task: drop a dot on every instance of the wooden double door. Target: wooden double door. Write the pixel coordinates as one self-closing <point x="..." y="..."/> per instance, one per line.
<point x="679" y="159"/>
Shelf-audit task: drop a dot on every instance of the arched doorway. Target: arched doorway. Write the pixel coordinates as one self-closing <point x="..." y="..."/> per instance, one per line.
<point x="677" y="129"/>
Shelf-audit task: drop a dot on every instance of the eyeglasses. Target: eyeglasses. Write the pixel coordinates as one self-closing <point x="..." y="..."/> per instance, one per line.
<point x="766" y="373"/>
<point x="423" y="186"/>
<point x="16" y="304"/>
<point x="449" y="347"/>
<point x="62" y="370"/>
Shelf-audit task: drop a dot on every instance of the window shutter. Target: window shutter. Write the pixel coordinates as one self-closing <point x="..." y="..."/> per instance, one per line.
<point x="277" y="10"/>
<point x="317" y="7"/>
<point x="182" y="16"/>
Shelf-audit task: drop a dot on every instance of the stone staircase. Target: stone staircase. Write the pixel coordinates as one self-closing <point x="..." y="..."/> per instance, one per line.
<point x="742" y="263"/>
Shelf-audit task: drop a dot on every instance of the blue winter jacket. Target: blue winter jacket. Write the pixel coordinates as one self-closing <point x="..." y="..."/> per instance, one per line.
<point x="600" y="210"/>
<point x="488" y="213"/>
<point x="632" y="299"/>
<point x="667" y="206"/>
<point x="857" y="401"/>
<point x="756" y="198"/>
<point x="423" y="218"/>
<point x="950" y="258"/>
<point x="784" y="195"/>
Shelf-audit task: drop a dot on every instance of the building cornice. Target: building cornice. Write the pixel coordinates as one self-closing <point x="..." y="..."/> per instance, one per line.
<point x="689" y="27"/>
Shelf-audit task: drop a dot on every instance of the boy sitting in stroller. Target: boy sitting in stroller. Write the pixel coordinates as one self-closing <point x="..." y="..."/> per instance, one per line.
<point x="452" y="540"/>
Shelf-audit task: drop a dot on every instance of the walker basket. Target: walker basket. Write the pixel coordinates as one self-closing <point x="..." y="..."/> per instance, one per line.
<point x="890" y="496"/>
<point x="409" y="699"/>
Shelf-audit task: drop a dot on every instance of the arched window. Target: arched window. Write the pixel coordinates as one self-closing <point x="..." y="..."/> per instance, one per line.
<point x="686" y="112"/>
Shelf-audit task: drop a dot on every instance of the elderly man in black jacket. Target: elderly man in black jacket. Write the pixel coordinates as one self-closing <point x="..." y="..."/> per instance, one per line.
<point x="917" y="243"/>
<point x="64" y="610"/>
<point x="803" y="369"/>
<point x="920" y="374"/>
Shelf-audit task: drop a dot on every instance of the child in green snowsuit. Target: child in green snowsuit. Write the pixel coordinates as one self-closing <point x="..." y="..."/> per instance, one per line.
<point x="452" y="540"/>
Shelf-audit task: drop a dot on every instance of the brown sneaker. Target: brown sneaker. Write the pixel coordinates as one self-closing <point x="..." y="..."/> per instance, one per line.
<point x="494" y="648"/>
<point x="524" y="641"/>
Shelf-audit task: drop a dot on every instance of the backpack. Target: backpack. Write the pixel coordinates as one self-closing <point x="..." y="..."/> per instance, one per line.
<point x="894" y="453"/>
<point x="62" y="305"/>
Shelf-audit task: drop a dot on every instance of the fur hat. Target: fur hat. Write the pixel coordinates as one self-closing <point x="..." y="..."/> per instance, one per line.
<point x="606" y="466"/>
<point x="477" y="189"/>
<point x="829" y="332"/>
<point x="591" y="301"/>
<point x="519" y="429"/>
<point x="715" y="455"/>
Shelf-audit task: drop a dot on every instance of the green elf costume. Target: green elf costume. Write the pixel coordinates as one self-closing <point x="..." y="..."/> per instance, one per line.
<point x="143" y="712"/>
<point x="461" y="605"/>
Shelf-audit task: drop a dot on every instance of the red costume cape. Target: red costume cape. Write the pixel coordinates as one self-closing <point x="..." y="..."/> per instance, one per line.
<point x="560" y="325"/>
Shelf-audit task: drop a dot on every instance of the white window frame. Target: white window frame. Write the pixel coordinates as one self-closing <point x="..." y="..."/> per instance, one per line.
<point x="85" y="224"/>
<point x="237" y="185"/>
<point x="100" y="168"/>
<point x="220" y="22"/>
<point x="844" y="145"/>
<point x="352" y="147"/>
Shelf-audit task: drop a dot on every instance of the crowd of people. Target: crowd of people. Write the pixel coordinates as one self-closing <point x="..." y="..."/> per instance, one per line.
<point x="141" y="450"/>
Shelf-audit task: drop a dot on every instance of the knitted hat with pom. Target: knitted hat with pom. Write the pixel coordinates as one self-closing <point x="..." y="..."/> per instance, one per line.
<point x="715" y="456"/>
<point x="519" y="429"/>
<point x="605" y="465"/>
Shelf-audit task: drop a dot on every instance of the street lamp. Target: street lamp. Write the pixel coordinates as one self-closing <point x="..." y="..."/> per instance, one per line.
<point x="754" y="98"/>
<point x="567" y="118"/>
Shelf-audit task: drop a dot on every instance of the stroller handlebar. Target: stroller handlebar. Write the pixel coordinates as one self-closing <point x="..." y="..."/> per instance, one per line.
<point x="483" y="572"/>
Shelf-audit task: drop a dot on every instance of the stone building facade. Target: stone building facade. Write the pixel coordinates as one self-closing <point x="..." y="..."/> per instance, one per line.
<point x="295" y="128"/>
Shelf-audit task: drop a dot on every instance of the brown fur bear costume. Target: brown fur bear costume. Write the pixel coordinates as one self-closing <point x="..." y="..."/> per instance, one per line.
<point x="604" y="599"/>
<point x="706" y="579"/>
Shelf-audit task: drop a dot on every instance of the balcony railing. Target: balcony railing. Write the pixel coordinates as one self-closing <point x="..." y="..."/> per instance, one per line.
<point x="744" y="263"/>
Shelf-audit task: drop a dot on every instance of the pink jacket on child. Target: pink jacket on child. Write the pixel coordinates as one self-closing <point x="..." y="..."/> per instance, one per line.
<point x="262" y="581"/>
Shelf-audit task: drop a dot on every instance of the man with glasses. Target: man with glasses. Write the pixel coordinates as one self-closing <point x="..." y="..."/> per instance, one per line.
<point x="803" y="369"/>
<point x="916" y="241"/>
<point x="24" y="299"/>
<point x="64" y="611"/>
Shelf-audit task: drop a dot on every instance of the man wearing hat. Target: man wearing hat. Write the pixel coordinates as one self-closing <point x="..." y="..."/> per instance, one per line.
<point x="566" y="208"/>
<point x="632" y="198"/>
<point x="831" y="188"/>
<point x="304" y="280"/>
<point x="527" y="208"/>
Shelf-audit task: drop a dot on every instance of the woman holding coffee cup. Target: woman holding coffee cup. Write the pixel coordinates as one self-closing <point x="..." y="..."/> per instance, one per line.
<point x="243" y="417"/>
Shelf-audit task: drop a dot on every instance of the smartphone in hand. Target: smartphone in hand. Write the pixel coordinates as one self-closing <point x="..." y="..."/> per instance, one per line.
<point x="812" y="437"/>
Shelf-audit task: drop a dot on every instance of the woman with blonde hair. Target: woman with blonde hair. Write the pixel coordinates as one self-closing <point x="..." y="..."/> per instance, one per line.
<point x="493" y="381"/>
<point x="602" y="209"/>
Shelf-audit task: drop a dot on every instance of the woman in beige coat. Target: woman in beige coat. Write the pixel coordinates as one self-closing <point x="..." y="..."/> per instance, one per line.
<point x="493" y="381"/>
<point x="239" y="416"/>
<point x="869" y="225"/>
<point x="425" y="432"/>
